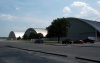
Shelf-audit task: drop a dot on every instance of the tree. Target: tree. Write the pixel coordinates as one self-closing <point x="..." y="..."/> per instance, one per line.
<point x="19" y="38"/>
<point x="25" y="37"/>
<point x="40" y="35"/>
<point x="58" y="28"/>
<point x="33" y="36"/>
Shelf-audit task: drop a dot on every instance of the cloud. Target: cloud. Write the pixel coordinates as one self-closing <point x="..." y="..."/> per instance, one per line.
<point x="33" y="21"/>
<point x="6" y="17"/>
<point x="18" y="28"/>
<point x="85" y="9"/>
<point x="66" y="9"/>
<point x="78" y="4"/>
<point x="17" y="8"/>
<point x="98" y="2"/>
<point x="25" y="19"/>
<point x="39" y="22"/>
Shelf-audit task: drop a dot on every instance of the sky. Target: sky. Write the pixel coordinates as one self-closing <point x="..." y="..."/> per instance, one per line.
<point x="19" y="15"/>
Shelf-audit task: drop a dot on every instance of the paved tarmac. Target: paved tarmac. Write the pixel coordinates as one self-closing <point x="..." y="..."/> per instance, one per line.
<point x="10" y="55"/>
<point x="87" y="51"/>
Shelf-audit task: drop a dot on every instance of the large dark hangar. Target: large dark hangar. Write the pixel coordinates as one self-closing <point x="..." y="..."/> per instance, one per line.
<point x="82" y="29"/>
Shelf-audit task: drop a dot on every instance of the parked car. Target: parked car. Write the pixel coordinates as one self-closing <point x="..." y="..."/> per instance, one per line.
<point x="39" y="41"/>
<point x="88" y="41"/>
<point x="66" y="41"/>
<point x="78" y="42"/>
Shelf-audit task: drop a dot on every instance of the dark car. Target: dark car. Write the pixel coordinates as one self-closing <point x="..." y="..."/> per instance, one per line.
<point x="78" y="42"/>
<point x="67" y="41"/>
<point x="38" y="41"/>
<point x="88" y="41"/>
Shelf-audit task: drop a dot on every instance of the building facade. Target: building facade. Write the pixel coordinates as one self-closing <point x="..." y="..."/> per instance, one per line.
<point x="83" y="29"/>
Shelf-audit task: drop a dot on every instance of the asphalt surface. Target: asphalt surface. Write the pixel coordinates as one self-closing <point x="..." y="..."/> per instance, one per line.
<point x="10" y="55"/>
<point x="86" y="51"/>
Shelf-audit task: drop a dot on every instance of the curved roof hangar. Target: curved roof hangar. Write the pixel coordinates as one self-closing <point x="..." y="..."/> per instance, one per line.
<point x="36" y="30"/>
<point x="82" y="28"/>
<point x="94" y="24"/>
<point x="14" y="35"/>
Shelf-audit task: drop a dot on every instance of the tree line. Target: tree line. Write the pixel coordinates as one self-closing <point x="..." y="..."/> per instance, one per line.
<point x="32" y="36"/>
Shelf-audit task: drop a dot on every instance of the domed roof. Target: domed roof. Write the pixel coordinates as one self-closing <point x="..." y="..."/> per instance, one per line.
<point x="41" y="30"/>
<point x="14" y="35"/>
<point x="17" y="34"/>
<point x="94" y="24"/>
<point x="36" y="30"/>
<point x="30" y="30"/>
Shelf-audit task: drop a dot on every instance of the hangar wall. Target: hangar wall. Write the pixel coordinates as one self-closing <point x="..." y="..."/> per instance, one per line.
<point x="79" y="29"/>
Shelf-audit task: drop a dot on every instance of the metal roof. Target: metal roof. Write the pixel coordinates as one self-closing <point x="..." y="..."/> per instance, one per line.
<point x="43" y="31"/>
<point x="17" y="34"/>
<point x="38" y="30"/>
<point x="94" y="24"/>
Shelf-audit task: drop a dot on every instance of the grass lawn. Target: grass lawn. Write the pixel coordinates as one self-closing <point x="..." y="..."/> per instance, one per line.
<point x="29" y="41"/>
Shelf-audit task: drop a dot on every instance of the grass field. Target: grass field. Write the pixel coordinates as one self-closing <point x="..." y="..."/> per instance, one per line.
<point x="30" y="41"/>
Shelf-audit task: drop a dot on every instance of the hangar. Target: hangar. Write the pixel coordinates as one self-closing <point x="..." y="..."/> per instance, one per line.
<point x="82" y="29"/>
<point x="36" y="30"/>
<point x="14" y="35"/>
<point x="79" y="29"/>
